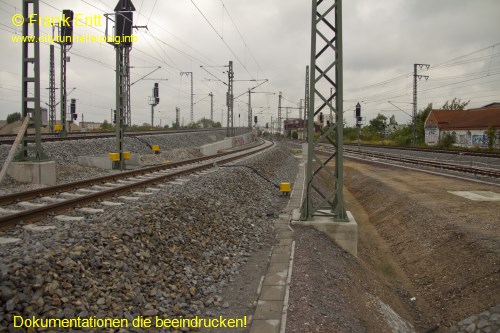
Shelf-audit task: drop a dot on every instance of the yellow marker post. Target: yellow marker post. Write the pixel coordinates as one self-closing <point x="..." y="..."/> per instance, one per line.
<point x="114" y="157"/>
<point x="285" y="188"/>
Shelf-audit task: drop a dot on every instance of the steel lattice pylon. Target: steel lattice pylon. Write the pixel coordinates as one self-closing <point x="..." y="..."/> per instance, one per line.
<point x="280" y="124"/>
<point x="127" y="112"/>
<point x="325" y="72"/>
<point x="121" y="99"/>
<point x="52" y="90"/>
<point x="230" y="102"/>
<point x="31" y="148"/>
<point x="306" y="95"/>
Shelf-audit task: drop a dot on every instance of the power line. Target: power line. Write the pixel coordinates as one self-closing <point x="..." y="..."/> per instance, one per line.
<point x="227" y="45"/>
<point x="242" y="38"/>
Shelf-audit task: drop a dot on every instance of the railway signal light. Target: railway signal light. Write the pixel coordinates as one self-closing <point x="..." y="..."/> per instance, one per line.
<point x="156" y="93"/>
<point x="74" y="116"/>
<point x="359" y="119"/>
<point x="67" y="29"/>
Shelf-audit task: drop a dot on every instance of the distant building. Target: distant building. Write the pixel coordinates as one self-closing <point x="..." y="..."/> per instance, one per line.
<point x="468" y="127"/>
<point x="90" y="126"/>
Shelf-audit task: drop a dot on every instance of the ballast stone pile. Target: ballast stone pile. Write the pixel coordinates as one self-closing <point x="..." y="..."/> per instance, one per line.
<point x="169" y="254"/>
<point x="67" y="152"/>
<point x="174" y="148"/>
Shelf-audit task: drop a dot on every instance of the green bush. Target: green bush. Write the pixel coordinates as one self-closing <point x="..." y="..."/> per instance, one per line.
<point x="446" y="141"/>
<point x="13" y="117"/>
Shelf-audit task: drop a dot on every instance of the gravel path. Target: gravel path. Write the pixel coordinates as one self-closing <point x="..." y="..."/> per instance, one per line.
<point x="170" y="254"/>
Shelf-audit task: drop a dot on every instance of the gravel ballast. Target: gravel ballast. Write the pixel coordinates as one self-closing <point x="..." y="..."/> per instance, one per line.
<point x="169" y="254"/>
<point x="174" y="148"/>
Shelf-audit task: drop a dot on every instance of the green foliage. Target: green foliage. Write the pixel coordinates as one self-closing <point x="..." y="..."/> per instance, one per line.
<point x="105" y="126"/>
<point x="295" y="135"/>
<point x="369" y="134"/>
<point x="421" y="117"/>
<point x="447" y="140"/>
<point x="378" y="124"/>
<point x="204" y="123"/>
<point x="402" y="136"/>
<point x="13" y="117"/>
<point x="491" y="137"/>
<point x="351" y="133"/>
<point x="455" y="104"/>
<point x="143" y="127"/>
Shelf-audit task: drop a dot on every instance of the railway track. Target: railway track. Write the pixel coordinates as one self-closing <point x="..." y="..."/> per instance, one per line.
<point x="481" y="171"/>
<point x="129" y="185"/>
<point x="431" y="150"/>
<point x="434" y="164"/>
<point x="52" y="137"/>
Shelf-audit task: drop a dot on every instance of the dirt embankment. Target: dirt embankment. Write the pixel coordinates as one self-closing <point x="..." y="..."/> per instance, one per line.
<point x="443" y="248"/>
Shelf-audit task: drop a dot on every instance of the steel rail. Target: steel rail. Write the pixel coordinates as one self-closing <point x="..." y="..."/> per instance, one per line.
<point x="440" y="165"/>
<point x="52" y="137"/>
<point x="35" y="214"/>
<point x="27" y="195"/>
<point x="432" y="150"/>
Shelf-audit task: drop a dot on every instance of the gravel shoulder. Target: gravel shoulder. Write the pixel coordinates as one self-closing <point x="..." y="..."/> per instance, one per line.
<point x="176" y="253"/>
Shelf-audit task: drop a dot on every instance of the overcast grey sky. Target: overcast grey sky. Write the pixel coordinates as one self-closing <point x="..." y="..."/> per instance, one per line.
<point x="270" y="39"/>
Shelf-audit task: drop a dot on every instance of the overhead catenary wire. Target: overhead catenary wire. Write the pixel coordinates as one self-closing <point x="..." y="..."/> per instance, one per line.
<point x="222" y="38"/>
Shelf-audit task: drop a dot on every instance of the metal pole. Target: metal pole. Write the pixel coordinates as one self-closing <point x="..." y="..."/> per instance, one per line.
<point x="120" y="74"/>
<point x="339" y="209"/>
<point x="307" y="206"/>
<point x="211" y="107"/>
<point x="249" y="109"/>
<point x="331" y="107"/>
<point x="323" y="24"/>
<point x="63" y="90"/>
<point x="152" y="115"/>
<point x="414" y="120"/>
<point x="414" y="116"/>
<point x="230" y="102"/>
<point x="191" y="117"/>
<point x="279" y="114"/>
<point x="359" y="137"/>
<point x="127" y="113"/>
<point x="52" y="90"/>
<point x="192" y="104"/>
<point x="306" y="96"/>
<point x="31" y="86"/>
